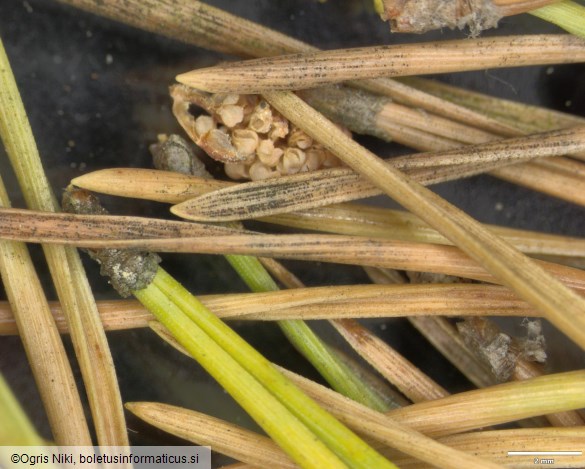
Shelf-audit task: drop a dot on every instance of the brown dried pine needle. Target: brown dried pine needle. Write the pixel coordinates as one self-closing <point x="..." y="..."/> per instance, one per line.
<point x="257" y="450"/>
<point x="372" y="115"/>
<point x="80" y="226"/>
<point x="522" y="117"/>
<point x="371" y="221"/>
<point x="399" y="371"/>
<point x="37" y="329"/>
<point x="302" y="191"/>
<point x="375" y="252"/>
<point x="301" y="71"/>
<point x="494" y="445"/>
<point x="561" y="306"/>
<point x="351" y="301"/>
<point x="358" y="220"/>
<point x="149" y="184"/>
<point x="201" y="429"/>
<point x="203" y="25"/>
<point x="195" y="23"/>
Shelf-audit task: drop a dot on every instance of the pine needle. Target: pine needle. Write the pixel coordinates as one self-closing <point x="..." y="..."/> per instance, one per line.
<point x="335" y="302"/>
<point x="522" y="117"/>
<point x="396" y="436"/>
<point x="341" y="377"/>
<point x="239" y="375"/>
<point x="494" y="445"/>
<point x="15" y="427"/>
<point x="301" y="71"/>
<point x="150" y="184"/>
<point x="567" y="14"/>
<point x="463" y="411"/>
<point x="303" y="191"/>
<point x="367" y="220"/>
<point x="374" y="252"/>
<point x="410" y="380"/>
<point x="66" y="269"/>
<point x="225" y="438"/>
<point x="561" y="306"/>
<point x="195" y="23"/>
<point x="358" y="220"/>
<point x="44" y="348"/>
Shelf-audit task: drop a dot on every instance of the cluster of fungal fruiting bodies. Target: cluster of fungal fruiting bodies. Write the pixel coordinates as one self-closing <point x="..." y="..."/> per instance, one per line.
<point x="250" y="137"/>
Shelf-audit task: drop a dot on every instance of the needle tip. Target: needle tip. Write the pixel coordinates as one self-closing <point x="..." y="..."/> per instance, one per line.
<point x="198" y="209"/>
<point x="199" y="79"/>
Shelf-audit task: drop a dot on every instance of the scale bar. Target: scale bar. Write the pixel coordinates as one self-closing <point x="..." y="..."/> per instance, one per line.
<point x="545" y="453"/>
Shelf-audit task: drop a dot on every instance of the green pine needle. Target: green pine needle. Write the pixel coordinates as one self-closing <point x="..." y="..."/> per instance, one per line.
<point x="568" y="15"/>
<point x="341" y="378"/>
<point x="15" y="427"/>
<point x="172" y="305"/>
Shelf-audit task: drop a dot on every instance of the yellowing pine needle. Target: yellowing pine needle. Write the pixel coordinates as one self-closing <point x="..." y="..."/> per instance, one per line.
<point x="301" y="444"/>
<point x="15" y="427"/>
<point x="396" y="436"/>
<point x="567" y="14"/>
<point x="463" y="411"/>
<point x="91" y="347"/>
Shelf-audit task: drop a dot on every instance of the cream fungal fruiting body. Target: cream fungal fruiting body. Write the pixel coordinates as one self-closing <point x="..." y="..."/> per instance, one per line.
<point x="250" y="137"/>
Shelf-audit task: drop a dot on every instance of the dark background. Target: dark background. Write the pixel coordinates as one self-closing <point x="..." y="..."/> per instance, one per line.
<point x="96" y="95"/>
